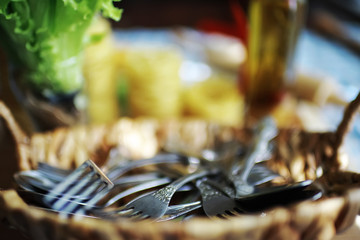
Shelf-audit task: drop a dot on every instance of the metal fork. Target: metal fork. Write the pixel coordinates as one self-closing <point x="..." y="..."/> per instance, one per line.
<point x="87" y="181"/>
<point x="154" y="204"/>
<point x="57" y="174"/>
<point x="81" y="183"/>
<point x="179" y="210"/>
<point x="264" y="132"/>
<point x="215" y="202"/>
<point x="45" y="178"/>
<point x="36" y="182"/>
<point x="172" y="212"/>
<point x="77" y="206"/>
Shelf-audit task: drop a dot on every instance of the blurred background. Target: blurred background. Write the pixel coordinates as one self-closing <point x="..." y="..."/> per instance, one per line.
<point x="155" y="60"/>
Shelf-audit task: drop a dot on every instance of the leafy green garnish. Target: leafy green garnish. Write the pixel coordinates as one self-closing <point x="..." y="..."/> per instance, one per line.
<point x="47" y="37"/>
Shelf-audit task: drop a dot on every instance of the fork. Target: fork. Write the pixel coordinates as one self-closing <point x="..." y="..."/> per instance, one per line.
<point x="179" y="210"/>
<point x="83" y="207"/>
<point x="172" y="212"/>
<point x="87" y="181"/>
<point x="215" y="202"/>
<point x="47" y="176"/>
<point x="36" y="182"/>
<point x="154" y="204"/>
<point x="57" y="174"/>
<point x="239" y="173"/>
<point x="79" y="206"/>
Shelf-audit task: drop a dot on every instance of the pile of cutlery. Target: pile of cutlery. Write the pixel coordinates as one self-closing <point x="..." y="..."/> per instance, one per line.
<point x="160" y="189"/>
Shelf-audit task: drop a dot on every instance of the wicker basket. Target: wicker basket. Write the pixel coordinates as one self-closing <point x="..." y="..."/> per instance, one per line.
<point x="69" y="147"/>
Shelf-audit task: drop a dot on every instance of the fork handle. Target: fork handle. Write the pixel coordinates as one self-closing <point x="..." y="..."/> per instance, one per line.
<point x="116" y="172"/>
<point x="264" y="132"/>
<point x="190" y="177"/>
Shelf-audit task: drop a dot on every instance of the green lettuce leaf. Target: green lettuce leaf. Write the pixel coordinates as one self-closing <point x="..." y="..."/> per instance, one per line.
<point x="47" y="38"/>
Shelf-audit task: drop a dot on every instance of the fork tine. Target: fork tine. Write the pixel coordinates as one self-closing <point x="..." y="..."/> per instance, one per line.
<point x="176" y="211"/>
<point x="91" y="201"/>
<point x="235" y="212"/>
<point x="238" y="210"/>
<point x="224" y="216"/>
<point x="104" y="183"/>
<point x="217" y="216"/>
<point x="229" y="213"/>
<point x="139" y="216"/>
<point x="73" y="191"/>
<point x="86" y="181"/>
<point x="60" y="188"/>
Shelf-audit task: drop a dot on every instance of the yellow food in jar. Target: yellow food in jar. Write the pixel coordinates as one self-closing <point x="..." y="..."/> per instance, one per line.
<point x="215" y="99"/>
<point x="100" y="74"/>
<point x="154" y="86"/>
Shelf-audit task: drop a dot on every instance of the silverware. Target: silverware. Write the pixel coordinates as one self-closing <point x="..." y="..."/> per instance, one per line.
<point x="88" y="191"/>
<point x="35" y="181"/>
<point x="37" y="200"/>
<point x="154" y="204"/>
<point x="176" y="211"/>
<point x="46" y="177"/>
<point x="138" y="188"/>
<point x="283" y="195"/>
<point x="263" y="133"/>
<point x="221" y="204"/>
<point x="215" y="202"/>
<point x="260" y="174"/>
<point x="81" y="183"/>
<point x="114" y="172"/>
<point x="87" y="181"/>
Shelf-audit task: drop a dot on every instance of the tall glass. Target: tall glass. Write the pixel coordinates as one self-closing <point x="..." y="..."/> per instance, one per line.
<point x="274" y="30"/>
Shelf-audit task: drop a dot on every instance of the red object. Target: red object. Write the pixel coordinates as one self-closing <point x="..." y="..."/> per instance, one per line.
<point x="237" y="28"/>
<point x="218" y="26"/>
<point x="240" y="20"/>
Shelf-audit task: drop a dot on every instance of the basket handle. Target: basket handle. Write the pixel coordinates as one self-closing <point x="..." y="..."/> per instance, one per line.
<point x="20" y="139"/>
<point x="351" y="210"/>
<point x="343" y="128"/>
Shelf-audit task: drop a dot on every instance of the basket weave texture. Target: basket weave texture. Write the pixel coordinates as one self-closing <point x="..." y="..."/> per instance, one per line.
<point x="298" y="156"/>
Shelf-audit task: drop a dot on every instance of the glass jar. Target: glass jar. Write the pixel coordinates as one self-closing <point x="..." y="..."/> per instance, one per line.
<point x="273" y="32"/>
